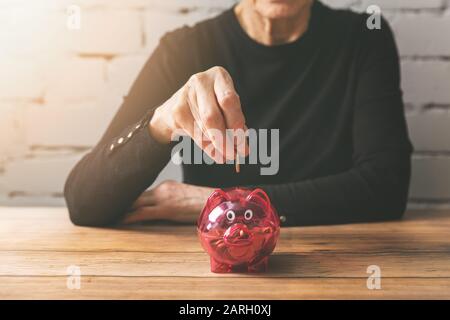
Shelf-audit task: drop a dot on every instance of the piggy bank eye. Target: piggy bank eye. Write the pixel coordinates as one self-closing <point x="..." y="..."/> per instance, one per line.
<point x="231" y="215"/>
<point x="248" y="214"/>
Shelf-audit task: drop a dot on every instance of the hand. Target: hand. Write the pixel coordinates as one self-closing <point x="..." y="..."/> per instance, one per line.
<point x="170" y="200"/>
<point x="206" y="104"/>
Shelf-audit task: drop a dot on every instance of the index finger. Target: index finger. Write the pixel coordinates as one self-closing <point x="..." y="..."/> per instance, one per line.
<point x="212" y="119"/>
<point x="229" y="101"/>
<point x="230" y="105"/>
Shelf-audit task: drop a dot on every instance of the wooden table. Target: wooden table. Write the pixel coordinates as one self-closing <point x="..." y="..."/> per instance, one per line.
<point x="37" y="245"/>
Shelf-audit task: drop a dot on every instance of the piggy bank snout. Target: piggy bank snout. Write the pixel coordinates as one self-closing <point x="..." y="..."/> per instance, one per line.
<point x="237" y="234"/>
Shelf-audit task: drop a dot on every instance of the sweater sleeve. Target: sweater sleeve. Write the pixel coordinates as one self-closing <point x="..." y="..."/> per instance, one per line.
<point x="106" y="181"/>
<point x="376" y="187"/>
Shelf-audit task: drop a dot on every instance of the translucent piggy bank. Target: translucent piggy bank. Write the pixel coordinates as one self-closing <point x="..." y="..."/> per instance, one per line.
<point x="239" y="229"/>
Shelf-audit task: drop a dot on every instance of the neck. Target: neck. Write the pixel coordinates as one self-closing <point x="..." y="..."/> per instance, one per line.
<point x="272" y="31"/>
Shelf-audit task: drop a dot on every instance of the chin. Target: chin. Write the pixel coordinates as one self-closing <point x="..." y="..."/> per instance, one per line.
<point x="279" y="9"/>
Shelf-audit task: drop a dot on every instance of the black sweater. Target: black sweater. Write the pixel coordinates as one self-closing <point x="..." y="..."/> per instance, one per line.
<point x="334" y="94"/>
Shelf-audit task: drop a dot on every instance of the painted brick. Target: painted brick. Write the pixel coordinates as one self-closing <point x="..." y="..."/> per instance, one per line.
<point x="116" y="4"/>
<point x="426" y="82"/>
<point x="32" y="200"/>
<point x="107" y="32"/>
<point x="20" y="79"/>
<point x="405" y="4"/>
<point x="122" y="72"/>
<point x="431" y="178"/>
<point x="423" y="35"/>
<point x="11" y="131"/>
<point x="166" y="4"/>
<point x="39" y="175"/>
<point x="176" y="5"/>
<point x="430" y="131"/>
<point x="73" y="125"/>
<point x="74" y="80"/>
<point x="35" y="4"/>
<point x="32" y="31"/>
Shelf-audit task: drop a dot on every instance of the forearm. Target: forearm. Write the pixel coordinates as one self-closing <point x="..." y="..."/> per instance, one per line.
<point x="372" y="191"/>
<point x="103" y="185"/>
<point x="127" y="159"/>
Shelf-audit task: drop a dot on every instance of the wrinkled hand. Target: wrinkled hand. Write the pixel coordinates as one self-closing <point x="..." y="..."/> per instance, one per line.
<point x="209" y="104"/>
<point x="170" y="200"/>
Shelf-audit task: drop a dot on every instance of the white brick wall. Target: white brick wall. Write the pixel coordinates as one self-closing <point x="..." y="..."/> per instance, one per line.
<point x="61" y="87"/>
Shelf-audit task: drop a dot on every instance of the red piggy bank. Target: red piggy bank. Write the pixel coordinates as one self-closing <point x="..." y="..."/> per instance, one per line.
<point x="238" y="228"/>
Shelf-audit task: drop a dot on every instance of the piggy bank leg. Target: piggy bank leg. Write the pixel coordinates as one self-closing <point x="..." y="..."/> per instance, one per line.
<point x="219" y="267"/>
<point x="260" y="266"/>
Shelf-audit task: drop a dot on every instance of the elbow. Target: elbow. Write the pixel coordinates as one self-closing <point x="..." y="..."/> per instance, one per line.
<point x="383" y="207"/>
<point x="388" y="179"/>
<point x="393" y="209"/>
<point x="392" y="197"/>
<point x="84" y="209"/>
<point x="77" y="215"/>
<point x="85" y="216"/>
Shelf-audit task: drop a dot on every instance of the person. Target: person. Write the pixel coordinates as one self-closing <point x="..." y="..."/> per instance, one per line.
<point x="330" y="84"/>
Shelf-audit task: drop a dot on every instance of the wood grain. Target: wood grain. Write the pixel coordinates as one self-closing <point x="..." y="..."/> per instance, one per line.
<point x="166" y="262"/>
<point x="211" y="288"/>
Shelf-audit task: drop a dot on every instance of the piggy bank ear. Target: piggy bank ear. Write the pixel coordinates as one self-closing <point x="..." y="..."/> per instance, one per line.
<point x="217" y="197"/>
<point x="258" y="196"/>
